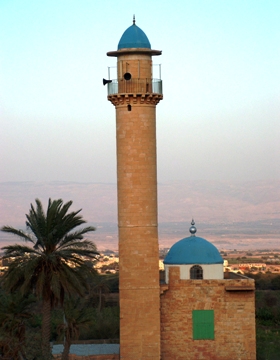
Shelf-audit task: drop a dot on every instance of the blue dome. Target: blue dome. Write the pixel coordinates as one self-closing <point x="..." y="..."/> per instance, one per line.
<point x="134" y="37"/>
<point x="193" y="250"/>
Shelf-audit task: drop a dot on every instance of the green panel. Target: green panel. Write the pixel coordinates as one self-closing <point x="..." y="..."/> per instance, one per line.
<point x="203" y="324"/>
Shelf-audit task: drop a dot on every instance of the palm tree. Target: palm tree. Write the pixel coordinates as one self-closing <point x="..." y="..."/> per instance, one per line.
<point x="77" y="315"/>
<point x="101" y="287"/>
<point x="14" y="313"/>
<point x="54" y="265"/>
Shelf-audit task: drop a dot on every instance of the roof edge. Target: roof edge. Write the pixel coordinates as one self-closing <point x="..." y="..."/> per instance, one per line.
<point x="194" y="263"/>
<point x="135" y="51"/>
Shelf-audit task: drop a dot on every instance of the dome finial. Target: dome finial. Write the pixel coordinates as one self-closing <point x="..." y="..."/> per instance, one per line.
<point x="192" y="228"/>
<point x="133" y="19"/>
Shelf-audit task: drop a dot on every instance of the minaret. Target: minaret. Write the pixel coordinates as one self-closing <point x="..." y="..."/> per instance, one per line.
<point x="135" y="95"/>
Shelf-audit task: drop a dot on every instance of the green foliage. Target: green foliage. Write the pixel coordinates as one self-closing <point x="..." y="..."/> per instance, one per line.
<point x="265" y="315"/>
<point x="15" y="310"/>
<point x="91" y="323"/>
<point x="77" y="315"/>
<point x="105" y="324"/>
<point x="33" y="344"/>
<point x="113" y="282"/>
<point x="268" y="343"/>
<point x="268" y="324"/>
<point x="267" y="281"/>
<point x="268" y="307"/>
<point x="54" y="264"/>
<point x="275" y="283"/>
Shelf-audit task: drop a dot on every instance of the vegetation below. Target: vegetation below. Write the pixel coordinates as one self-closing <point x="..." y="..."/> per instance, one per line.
<point x="267" y="281"/>
<point x="53" y="267"/>
<point x="85" y="319"/>
<point x="267" y="315"/>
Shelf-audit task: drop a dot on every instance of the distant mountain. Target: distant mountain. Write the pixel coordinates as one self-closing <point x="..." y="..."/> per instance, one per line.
<point x="220" y="209"/>
<point x="214" y="201"/>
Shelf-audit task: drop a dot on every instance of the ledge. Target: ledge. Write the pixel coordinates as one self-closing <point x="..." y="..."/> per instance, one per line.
<point x="239" y="288"/>
<point x="129" y="98"/>
<point x="134" y="51"/>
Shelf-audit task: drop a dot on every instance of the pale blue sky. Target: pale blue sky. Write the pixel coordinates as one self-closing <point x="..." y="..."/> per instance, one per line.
<point x="220" y="68"/>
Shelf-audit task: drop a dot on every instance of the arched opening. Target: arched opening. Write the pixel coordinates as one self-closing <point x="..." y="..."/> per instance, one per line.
<point x="129" y="107"/>
<point x="196" y="272"/>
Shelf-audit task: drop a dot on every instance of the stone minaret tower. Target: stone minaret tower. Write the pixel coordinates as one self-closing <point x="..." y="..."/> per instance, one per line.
<point x="135" y="95"/>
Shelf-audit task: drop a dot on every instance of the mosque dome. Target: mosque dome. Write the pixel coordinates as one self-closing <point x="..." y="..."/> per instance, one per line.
<point x="134" y="37"/>
<point x="193" y="250"/>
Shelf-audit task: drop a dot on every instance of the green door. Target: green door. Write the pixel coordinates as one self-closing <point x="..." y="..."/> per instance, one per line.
<point x="203" y="324"/>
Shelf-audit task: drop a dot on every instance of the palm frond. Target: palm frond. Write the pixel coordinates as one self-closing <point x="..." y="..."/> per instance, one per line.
<point x="17" y="250"/>
<point x="55" y="264"/>
<point x="77" y="235"/>
<point x="19" y="233"/>
<point x="36" y="222"/>
<point x="79" y="245"/>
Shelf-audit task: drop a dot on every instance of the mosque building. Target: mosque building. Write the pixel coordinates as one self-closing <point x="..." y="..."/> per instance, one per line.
<point x="205" y="313"/>
<point x="199" y="312"/>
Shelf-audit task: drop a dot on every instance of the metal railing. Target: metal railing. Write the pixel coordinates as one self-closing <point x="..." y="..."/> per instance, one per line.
<point x="135" y="86"/>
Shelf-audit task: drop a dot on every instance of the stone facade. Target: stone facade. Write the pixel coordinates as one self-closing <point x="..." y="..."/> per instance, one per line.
<point x="234" y="318"/>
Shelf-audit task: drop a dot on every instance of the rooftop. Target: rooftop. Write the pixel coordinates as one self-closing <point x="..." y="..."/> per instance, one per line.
<point x="134" y="37"/>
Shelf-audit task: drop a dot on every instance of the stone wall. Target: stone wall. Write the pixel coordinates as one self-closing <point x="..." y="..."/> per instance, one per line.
<point x="233" y="302"/>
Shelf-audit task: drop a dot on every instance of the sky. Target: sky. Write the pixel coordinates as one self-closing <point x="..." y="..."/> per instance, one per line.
<point x="219" y="119"/>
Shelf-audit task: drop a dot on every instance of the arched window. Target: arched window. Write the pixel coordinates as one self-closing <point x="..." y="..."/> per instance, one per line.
<point x="196" y="272"/>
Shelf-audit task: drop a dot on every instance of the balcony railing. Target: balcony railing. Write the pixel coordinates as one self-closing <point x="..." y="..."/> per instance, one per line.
<point x="135" y="86"/>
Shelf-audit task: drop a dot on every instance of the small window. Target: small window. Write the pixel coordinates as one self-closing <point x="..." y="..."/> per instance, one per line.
<point x="203" y="324"/>
<point x="129" y="107"/>
<point x="196" y="272"/>
<point x="127" y="76"/>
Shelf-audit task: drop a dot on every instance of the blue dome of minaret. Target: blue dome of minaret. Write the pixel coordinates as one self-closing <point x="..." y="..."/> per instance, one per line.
<point x="193" y="250"/>
<point x="134" y="37"/>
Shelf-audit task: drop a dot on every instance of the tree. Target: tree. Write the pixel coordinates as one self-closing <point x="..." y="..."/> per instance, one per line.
<point x="100" y="288"/>
<point x="275" y="282"/>
<point x="14" y="313"/>
<point x="55" y="264"/>
<point x="77" y="315"/>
